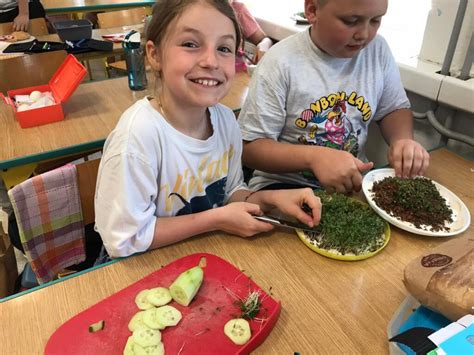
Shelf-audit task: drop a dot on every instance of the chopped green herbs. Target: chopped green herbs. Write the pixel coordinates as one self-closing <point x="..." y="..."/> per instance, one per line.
<point x="251" y="305"/>
<point x="347" y="226"/>
<point x="413" y="200"/>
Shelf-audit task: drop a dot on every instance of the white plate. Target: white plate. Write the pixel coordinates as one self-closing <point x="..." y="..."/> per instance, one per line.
<point x="461" y="216"/>
<point x="32" y="38"/>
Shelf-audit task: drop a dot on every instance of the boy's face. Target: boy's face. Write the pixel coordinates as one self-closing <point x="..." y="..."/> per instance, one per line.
<point x="196" y="59"/>
<point x="341" y="28"/>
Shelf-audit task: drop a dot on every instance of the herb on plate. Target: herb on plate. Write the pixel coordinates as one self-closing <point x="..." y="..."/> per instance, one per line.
<point x="347" y="226"/>
<point x="416" y="201"/>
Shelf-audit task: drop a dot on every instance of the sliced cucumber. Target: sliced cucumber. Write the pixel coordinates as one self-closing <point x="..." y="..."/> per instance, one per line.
<point x="186" y="285"/>
<point x="158" y="349"/>
<point x="146" y="337"/>
<point x="129" y="347"/>
<point x="97" y="326"/>
<point x="141" y="300"/>
<point x="151" y="319"/>
<point x="137" y="321"/>
<point x="158" y="296"/>
<point x="238" y="330"/>
<point x="168" y="316"/>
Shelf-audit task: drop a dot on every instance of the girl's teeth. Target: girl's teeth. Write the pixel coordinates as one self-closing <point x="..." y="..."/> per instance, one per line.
<point x="207" y="82"/>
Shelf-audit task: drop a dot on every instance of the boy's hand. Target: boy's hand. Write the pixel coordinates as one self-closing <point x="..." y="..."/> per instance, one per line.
<point x="20" y="23"/>
<point x="408" y="158"/>
<point x="339" y="170"/>
<point x="290" y="202"/>
<point x="237" y="218"/>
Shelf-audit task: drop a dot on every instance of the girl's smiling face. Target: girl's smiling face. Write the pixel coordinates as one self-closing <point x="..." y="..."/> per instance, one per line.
<point x="196" y="59"/>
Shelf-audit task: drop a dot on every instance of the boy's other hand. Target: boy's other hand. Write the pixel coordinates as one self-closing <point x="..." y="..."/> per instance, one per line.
<point x="20" y="23"/>
<point x="340" y="171"/>
<point x="408" y="158"/>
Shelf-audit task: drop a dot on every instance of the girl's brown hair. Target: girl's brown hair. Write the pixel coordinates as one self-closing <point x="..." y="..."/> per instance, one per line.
<point x="165" y="11"/>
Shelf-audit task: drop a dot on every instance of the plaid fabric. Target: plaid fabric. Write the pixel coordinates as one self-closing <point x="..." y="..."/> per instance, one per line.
<point x="49" y="216"/>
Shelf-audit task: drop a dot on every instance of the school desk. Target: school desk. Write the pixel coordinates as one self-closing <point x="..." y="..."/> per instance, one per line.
<point x="54" y="7"/>
<point x="91" y="113"/>
<point x="36" y="69"/>
<point x="97" y="34"/>
<point x="328" y="306"/>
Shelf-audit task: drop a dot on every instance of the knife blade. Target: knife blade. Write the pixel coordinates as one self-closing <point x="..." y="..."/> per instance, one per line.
<point x="279" y="222"/>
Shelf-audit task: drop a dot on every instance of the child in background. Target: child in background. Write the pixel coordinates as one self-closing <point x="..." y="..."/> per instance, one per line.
<point x="20" y="12"/>
<point x="251" y="30"/>
<point x="313" y="96"/>
<point x="171" y="168"/>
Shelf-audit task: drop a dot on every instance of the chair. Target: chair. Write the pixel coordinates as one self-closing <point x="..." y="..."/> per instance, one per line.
<point x="37" y="27"/>
<point x="86" y="180"/>
<point x="121" y="18"/>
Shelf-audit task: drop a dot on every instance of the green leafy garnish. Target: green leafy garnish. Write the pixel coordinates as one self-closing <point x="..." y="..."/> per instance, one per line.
<point x="347" y="226"/>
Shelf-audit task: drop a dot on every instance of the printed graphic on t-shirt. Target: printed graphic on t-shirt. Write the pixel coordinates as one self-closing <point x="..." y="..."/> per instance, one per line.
<point x="326" y="123"/>
<point x="198" y="190"/>
<point x="214" y="197"/>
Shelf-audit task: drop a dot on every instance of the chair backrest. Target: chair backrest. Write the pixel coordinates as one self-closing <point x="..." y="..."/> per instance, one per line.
<point x="37" y="27"/>
<point x="128" y="17"/>
<point x="87" y="179"/>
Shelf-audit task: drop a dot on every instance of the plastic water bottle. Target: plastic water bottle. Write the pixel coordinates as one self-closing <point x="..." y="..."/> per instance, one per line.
<point x="135" y="60"/>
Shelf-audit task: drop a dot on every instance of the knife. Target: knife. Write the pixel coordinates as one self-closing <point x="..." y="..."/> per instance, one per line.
<point x="284" y="223"/>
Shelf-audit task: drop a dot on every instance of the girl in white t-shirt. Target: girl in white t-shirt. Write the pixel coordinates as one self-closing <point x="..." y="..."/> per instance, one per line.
<point x="171" y="168"/>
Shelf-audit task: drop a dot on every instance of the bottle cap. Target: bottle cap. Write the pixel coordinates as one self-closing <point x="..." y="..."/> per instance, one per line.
<point x="131" y="40"/>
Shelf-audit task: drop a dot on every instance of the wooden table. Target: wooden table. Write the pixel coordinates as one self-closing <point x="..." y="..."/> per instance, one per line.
<point x="74" y="6"/>
<point x="36" y="69"/>
<point x="328" y="306"/>
<point x="91" y="114"/>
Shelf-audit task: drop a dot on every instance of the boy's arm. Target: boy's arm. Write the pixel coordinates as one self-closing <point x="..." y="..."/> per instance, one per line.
<point x="406" y="156"/>
<point x="335" y="169"/>
<point x="20" y="23"/>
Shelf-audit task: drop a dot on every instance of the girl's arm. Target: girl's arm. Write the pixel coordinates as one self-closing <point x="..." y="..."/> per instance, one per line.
<point x="234" y="218"/>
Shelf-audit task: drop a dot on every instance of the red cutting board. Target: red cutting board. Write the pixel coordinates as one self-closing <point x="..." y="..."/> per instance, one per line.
<point x="201" y="330"/>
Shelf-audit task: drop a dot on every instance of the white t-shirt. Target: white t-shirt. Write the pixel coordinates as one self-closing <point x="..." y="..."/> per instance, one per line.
<point x="7" y="5"/>
<point x="150" y="170"/>
<point x="301" y="95"/>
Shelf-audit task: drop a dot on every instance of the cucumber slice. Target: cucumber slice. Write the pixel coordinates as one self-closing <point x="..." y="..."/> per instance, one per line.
<point x="168" y="316"/>
<point x="146" y="337"/>
<point x="186" y="285"/>
<point x="158" y="296"/>
<point x="97" y="326"/>
<point x="151" y="319"/>
<point x="158" y="349"/>
<point x="141" y="300"/>
<point x="137" y="322"/>
<point x="129" y="347"/>
<point x="238" y="330"/>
